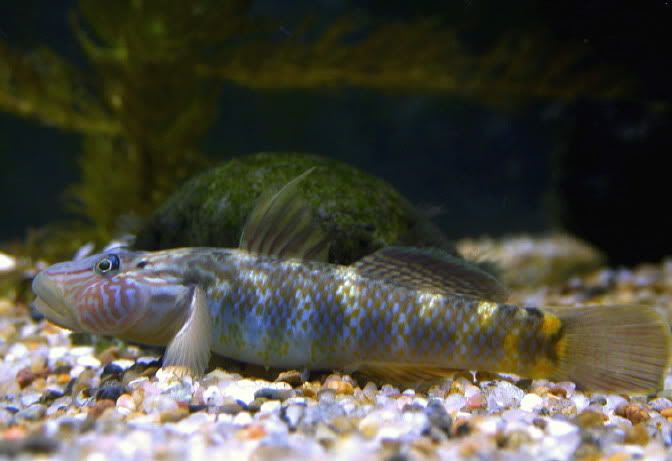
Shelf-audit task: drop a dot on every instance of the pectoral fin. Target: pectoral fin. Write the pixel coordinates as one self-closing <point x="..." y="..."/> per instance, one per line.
<point x="189" y="351"/>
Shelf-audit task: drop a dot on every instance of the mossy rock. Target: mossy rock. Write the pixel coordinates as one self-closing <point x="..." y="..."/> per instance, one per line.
<point x="360" y="213"/>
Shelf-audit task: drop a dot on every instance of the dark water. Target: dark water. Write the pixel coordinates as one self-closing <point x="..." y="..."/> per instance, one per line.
<point x="589" y="162"/>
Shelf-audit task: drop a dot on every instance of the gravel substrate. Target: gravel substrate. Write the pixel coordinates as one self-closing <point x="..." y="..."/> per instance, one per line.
<point x="76" y="397"/>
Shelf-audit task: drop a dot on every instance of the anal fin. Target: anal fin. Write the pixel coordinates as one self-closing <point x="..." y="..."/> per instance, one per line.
<point x="189" y="350"/>
<point x="405" y="375"/>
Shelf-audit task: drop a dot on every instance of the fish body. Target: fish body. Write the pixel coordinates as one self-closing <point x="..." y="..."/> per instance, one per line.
<point x="291" y="313"/>
<point x="402" y="314"/>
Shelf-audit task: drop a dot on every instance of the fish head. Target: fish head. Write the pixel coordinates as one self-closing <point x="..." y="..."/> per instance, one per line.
<point x="131" y="295"/>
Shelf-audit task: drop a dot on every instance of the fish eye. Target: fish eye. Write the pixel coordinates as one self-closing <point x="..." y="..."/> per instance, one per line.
<point x="107" y="264"/>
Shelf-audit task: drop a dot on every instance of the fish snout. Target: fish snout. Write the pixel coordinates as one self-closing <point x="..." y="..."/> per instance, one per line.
<point x="51" y="303"/>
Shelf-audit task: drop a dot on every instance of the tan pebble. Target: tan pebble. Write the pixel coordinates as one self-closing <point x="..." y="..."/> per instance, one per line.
<point x="127" y="402"/>
<point x="541" y="390"/>
<point x="340" y="387"/>
<point x="100" y="407"/>
<point x="343" y="424"/>
<point x="138" y="396"/>
<point x="6" y="307"/>
<point x="590" y="419"/>
<point x="7" y="332"/>
<point x="38" y="365"/>
<point x="632" y="411"/>
<point x="173" y="416"/>
<point x="39" y="384"/>
<point x="637" y="435"/>
<point x="618" y="457"/>
<point x="84" y="380"/>
<point x="291" y="377"/>
<point x="369" y="426"/>
<point x="456" y="387"/>
<point x="274" y="452"/>
<point x="252" y="432"/>
<point x="424" y="447"/>
<point x="558" y="391"/>
<point x="110" y="354"/>
<point x="470" y="448"/>
<point x="588" y="452"/>
<point x="512" y="440"/>
<point x="666" y="412"/>
<point x="310" y="389"/>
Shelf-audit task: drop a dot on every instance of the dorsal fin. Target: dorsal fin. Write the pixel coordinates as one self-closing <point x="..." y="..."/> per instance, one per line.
<point x="282" y="225"/>
<point x="431" y="269"/>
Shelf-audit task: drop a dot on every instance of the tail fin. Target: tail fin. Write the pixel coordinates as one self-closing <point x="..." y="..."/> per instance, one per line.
<point x="622" y="348"/>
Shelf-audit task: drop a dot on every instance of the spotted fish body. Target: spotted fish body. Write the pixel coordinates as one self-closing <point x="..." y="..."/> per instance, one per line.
<point x="400" y="314"/>
<point x="297" y="314"/>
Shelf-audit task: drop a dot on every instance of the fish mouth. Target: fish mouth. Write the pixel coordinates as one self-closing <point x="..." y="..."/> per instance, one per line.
<point x="50" y="302"/>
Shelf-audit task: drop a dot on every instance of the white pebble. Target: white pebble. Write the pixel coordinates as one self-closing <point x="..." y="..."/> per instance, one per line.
<point x="81" y="351"/>
<point x="531" y="403"/>
<point x="29" y="398"/>
<point x="57" y="352"/>
<point x="124" y="364"/>
<point x="581" y="402"/>
<point x="213" y="396"/>
<point x="270" y="406"/>
<point x="88" y="361"/>
<point x="16" y="351"/>
<point x="557" y="428"/>
<point x="242" y="419"/>
<point x="138" y="382"/>
<point x="454" y="403"/>
<point x="7" y="262"/>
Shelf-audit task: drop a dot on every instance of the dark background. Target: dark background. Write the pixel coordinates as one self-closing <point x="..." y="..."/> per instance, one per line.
<point x="593" y="167"/>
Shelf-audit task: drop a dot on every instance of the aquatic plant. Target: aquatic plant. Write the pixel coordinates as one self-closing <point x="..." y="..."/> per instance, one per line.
<point x="155" y="71"/>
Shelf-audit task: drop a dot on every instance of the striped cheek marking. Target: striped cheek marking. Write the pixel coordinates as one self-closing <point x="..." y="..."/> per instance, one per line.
<point x="106" y="305"/>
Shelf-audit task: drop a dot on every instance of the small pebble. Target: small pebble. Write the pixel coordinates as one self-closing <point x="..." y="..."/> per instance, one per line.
<point x="34" y="412"/>
<point x="110" y="390"/>
<point x="291" y="377"/>
<point x="637" y="435"/>
<point x="590" y="419"/>
<point x="634" y="412"/>
<point x="273" y="393"/>
<point x="340" y="387"/>
<point x="531" y="403"/>
<point x="293" y="415"/>
<point x="438" y="416"/>
<point x="660" y="404"/>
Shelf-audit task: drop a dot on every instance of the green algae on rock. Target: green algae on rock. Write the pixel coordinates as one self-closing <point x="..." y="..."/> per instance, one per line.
<point x="360" y="213"/>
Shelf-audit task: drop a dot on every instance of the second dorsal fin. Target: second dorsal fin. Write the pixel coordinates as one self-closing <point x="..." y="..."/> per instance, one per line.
<point x="431" y="269"/>
<point x="282" y="225"/>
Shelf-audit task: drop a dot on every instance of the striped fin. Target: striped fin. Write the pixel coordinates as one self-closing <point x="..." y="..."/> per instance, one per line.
<point x="189" y="351"/>
<point x="622" y="348"/>
<point x="431" y="269"/>
<point x="282" y="225"/>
